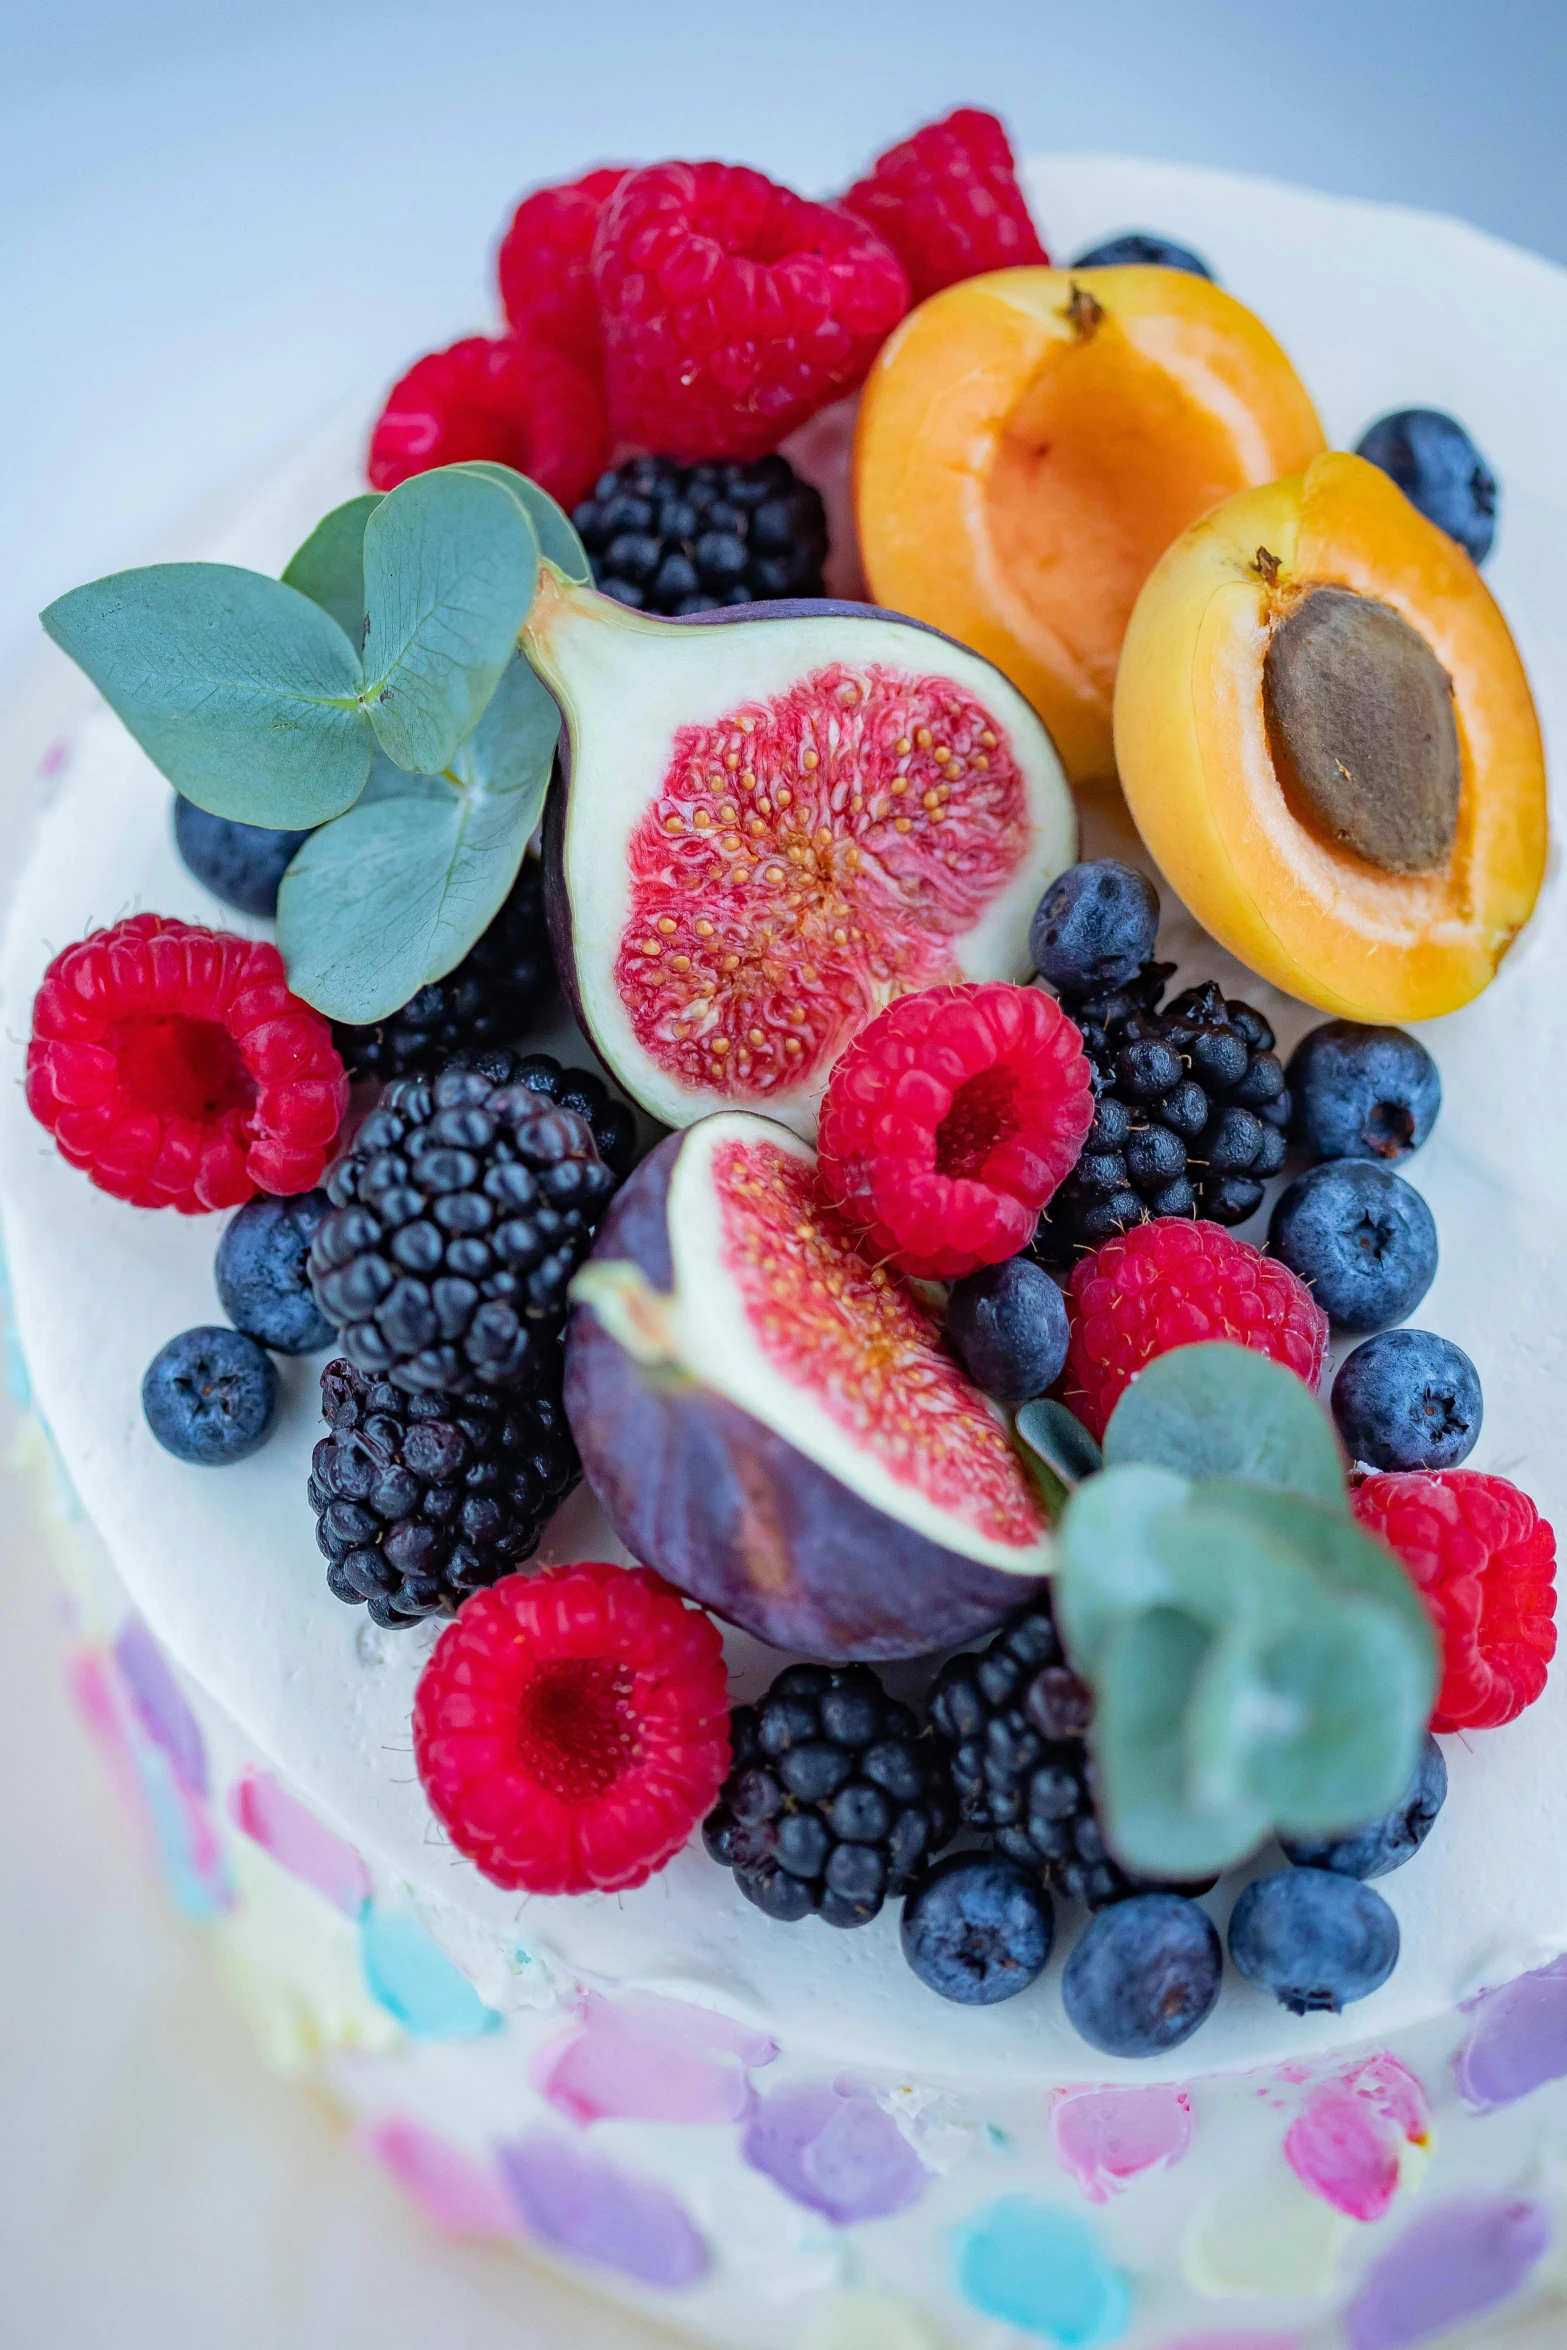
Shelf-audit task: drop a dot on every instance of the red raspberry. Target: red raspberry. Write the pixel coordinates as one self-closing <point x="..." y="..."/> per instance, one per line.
<point x="1484" y="1561"/>
<point x="949" y="1121"/>
<point x="572" y="1727"/>
<point x="1172" y="1283"/>
<point x="545" y="271"/>
<point x="733" y="309"/>
<point x="171" y="1064"/>
<point x="948" y="203"/>
<point x="516" y="402"/>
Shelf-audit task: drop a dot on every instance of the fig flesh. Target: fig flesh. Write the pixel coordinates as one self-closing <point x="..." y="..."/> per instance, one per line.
<point x="764" y="832"/>
<point x="771" y="1420"/>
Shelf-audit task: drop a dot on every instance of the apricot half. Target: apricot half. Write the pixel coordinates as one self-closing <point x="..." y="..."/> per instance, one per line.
<point x="1327" y="739"/>
<point x="1029" y="444"/>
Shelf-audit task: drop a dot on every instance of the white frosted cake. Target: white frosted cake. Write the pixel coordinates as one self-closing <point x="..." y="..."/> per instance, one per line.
<point x="773" y="2135"/>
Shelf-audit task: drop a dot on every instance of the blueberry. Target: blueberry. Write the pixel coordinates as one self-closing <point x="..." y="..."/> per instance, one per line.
<point x="1145" y="247"/>
<point x="1385" y="1844"/>
<point x="1439" y="470"/>
<point x="1315" y="1939"/>
<point x="1009" y="1326"/>
<point x="1362" y="1093"/>
<point x="210" y="1397"/>
<point x="1407" y="1399"/>
<point x="977" y="1928"/>
<point x="260" y="1272"/>
<point x="1094" y="927"/>
<point x="1143" y="1975"/>
<point x="240" y="863"/>
<point x="1360" y="1237"/>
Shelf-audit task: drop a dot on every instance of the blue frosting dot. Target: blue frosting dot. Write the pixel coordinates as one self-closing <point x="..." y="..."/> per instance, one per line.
<point x="1040" y="2267"/>
<point x="416" y="1982"/>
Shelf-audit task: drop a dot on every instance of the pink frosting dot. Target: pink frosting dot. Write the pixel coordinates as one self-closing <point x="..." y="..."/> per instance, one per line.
<point x="1344" y="2143"/>
<point x="452" y="2190"/>
<point x="298" y="1841"/>
<point x="645" y="2058"/>
<point x="1107" y="2137"/>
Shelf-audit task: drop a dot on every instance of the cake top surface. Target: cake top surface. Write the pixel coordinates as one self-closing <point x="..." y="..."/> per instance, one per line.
<point x="226" y="1571"/>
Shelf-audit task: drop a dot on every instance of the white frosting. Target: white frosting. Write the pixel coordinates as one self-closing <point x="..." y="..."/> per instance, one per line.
<point x="224" y="1566"/>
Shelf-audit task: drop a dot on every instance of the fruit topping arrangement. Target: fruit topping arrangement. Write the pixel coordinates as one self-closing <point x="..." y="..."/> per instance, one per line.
<point x="925" y="1334"/>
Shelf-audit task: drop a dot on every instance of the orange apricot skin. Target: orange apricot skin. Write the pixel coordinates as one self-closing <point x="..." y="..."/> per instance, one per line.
<point x="1192" y="749"/>
<point x="1028" y="444"/>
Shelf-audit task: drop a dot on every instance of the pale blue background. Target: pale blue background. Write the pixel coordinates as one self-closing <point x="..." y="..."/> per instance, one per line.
<point x="218" y="222"/>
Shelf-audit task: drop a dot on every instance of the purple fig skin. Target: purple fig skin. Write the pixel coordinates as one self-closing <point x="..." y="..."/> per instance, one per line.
<point x="732" y="1513"/>
<point x="552" y="845"/>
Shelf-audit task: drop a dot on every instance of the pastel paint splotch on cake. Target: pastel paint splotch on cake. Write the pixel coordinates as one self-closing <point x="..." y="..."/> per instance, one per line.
<point x="584" y="1907"/>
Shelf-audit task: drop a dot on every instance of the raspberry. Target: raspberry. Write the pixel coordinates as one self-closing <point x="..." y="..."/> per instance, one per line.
<point x="948" y="203"/>
<point x="572" y="1727"/>
<point x="171" y="1064"/>
<point x="733" y="310"/>
<point x="545" y="266"/>
<point x="948" y="1122"/>
<point x="519" y="403"/>
<point x="1484" y="1561"/>
<point x="1173" y="1283"/>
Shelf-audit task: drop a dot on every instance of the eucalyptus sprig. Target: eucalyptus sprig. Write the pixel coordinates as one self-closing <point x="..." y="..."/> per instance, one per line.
<point x="375" y="693"/>
<point x="1257" y="1661"/>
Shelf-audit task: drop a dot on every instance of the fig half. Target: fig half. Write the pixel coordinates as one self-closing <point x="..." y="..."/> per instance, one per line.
<point x="770" y="1419"/>
<point x="764" y="832"/>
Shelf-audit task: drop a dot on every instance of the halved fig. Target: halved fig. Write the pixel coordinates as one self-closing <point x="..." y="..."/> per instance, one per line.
<point x="771" y="1420"/>
<point x="765" y="832"/>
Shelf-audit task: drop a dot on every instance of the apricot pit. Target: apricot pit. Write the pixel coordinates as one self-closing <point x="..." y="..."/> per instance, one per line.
<point x="1326" y="737"/>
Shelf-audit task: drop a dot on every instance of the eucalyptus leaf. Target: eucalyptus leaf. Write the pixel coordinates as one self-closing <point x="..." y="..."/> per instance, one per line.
<point x="553" y="527"/>
<point x="451" y="562"/>
<point x="1359" y="1700"/>
<point x="243" y="691"/>
<point x="1111" y="1566"/>
<point x="1060" y="1440"/>
<point x="1166" y="1812"/>
<point x="513" y="746"/>
<point x="1217" y="1410"/>
<point x="330" y="567"/>
<point x="396" y="892"/>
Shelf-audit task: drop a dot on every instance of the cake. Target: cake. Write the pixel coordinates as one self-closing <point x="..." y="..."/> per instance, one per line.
<point x="759" y="2132"/>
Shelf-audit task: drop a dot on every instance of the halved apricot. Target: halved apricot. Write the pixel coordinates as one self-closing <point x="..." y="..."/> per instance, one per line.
<point x="1327" y="739"/>
<point x="1030" y="442"/>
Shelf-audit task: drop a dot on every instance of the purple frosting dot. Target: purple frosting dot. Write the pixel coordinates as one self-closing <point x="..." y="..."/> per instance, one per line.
<point x="1518" y="2041"/>
<point x="588" y="2209"/>
<point x="160" y="1709"/>
<point x="829" y="2145"/>
<point x="1457" y="2258"/>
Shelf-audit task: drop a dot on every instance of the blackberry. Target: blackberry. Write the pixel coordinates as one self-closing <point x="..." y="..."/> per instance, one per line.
<point x="610" y="1120"/>
<point x="686" y="538"/>
<point x="835" y="1797"/>
<point x="1190" y="1118"/>
<point x="1013" y="1718"/>
<point x="420" y="1499"/>
<point x="495" y="994"/>
<point x="457" y="1222"/>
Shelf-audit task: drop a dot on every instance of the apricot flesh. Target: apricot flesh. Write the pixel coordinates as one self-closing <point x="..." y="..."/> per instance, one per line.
<point x="1030" y="442"/>
<point x="1258" y="865"/>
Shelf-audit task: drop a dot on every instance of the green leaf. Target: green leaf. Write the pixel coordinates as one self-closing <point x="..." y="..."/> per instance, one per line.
<point x="1060" y="1440"/>
<point x="1217" y="1410"/>
<point x="330" y="567"/>
<point x="1256" y="1659"/>
<point x="396" y="892"/>
<point x="451" y="562"/>
<point x="1111" y="1567"/>
<point x="552" y="526"/>
<point x="238" y="687"/>
<point x="1168" y="1812"/>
